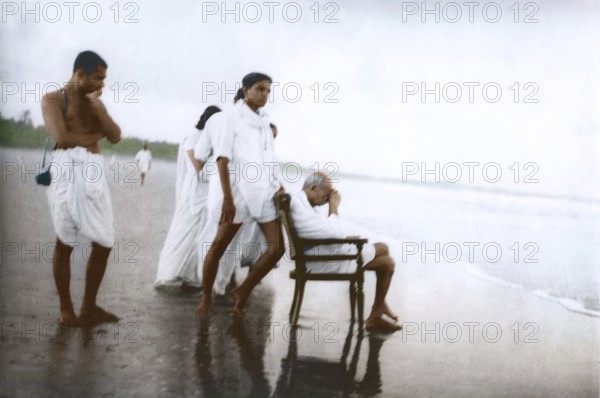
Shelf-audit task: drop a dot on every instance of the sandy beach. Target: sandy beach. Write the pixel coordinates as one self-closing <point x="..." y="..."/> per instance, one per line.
<point x="462" y="336"/>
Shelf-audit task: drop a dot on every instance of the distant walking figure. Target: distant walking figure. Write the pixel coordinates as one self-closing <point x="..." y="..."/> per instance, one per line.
<point x="143" y="160"/>
<point x="80" y="205"/>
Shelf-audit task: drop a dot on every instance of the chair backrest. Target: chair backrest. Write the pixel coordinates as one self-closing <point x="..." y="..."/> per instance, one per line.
<point x="283" y="207"/>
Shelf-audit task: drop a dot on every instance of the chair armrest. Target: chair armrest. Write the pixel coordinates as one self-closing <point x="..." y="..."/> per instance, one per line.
<point x="332" y="241"/>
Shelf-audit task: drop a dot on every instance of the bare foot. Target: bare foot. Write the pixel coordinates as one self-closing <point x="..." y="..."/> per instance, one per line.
<point x="388" y="311"/>
<point x="240" y="302"/>
<point x="68" y="318"/>
<point x="203" y="308"/>
<point x="381" y="325"/>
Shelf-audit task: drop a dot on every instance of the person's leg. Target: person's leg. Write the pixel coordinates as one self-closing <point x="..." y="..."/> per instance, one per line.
<point x="93" y="278"/>
<point x="225" y="234"/>
<point x="383" y="265"/>
<point x="266" y="262"/>
<point x="142" y="177"/>
<point x="61" y="267"/>
<point x="232" y="281"/>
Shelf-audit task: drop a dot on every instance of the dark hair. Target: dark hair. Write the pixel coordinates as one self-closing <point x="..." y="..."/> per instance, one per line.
<point x="272" y="126"/>
<point x="248" y="81"/>
<point x="88" y="61"/>
<point x="208" y="112"/>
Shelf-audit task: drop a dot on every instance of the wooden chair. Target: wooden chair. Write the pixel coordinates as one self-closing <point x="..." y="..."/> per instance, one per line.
<point x="298" y="246"/>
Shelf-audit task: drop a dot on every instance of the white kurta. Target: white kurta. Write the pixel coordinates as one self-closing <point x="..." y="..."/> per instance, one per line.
<point x="246" y="139"/>
<point x="249" y="243"/>
<point x="144" y="156"/>
<point x="311" y="224"/>
<point x="179" y="257"/>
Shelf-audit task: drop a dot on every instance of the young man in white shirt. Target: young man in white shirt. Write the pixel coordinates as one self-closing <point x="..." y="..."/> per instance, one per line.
<point x="244" y="152"/>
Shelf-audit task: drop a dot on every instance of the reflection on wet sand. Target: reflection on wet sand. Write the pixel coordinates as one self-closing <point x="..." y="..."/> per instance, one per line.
<point x="371" y="385"/>
<point x="230" y="351"/>
<point x="304" y="375"/>
<point x="72" y="365"/>
<point x="236" y="358"/>
<point x="230" y="359"/>
<point x="256" y="356"/>
<point x="319" y="377"/>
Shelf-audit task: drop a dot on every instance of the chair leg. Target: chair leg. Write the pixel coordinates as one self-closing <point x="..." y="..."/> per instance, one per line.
<point x="299" y="303"/>
<point x="360" y="296"/>
<point x="294" y="301"/>
<point x="352" y="300"/>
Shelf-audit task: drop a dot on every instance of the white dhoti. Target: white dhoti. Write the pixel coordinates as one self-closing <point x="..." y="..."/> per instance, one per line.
<point x="79" y="197"/>
<point x="312" y="224"/>
<point x="342" y="267"/>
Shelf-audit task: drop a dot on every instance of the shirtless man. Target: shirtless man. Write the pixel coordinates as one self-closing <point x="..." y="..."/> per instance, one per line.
<point x="80" y="206"/>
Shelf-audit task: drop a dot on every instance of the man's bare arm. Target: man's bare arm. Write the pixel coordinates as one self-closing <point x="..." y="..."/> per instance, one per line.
<point x="110" y="129"/>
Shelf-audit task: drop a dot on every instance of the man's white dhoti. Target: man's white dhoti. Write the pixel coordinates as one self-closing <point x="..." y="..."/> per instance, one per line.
<point x="79" y="197"/>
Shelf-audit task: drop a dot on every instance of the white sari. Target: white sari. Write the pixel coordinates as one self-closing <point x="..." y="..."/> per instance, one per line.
<point x="179" y="257"/>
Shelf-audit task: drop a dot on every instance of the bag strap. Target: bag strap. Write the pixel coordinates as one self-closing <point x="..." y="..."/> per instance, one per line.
<point x="45" y="151"/>
<point x="65" y="108"/>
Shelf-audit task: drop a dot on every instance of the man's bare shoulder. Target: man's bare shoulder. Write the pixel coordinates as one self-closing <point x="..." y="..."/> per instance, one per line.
<point x="52" y="99"/>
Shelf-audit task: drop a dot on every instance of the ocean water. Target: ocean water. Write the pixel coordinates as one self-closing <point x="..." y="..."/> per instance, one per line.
<point x="548" y="246"/>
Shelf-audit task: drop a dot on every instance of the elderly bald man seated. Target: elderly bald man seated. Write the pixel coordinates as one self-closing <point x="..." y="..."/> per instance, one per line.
<point x="310" y="224"/>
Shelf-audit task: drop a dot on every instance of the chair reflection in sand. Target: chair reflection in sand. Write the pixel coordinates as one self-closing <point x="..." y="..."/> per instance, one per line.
<point x="315" y="377"/>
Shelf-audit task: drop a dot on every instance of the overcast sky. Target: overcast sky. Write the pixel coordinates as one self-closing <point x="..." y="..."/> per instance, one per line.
<point x="356" y="74"/>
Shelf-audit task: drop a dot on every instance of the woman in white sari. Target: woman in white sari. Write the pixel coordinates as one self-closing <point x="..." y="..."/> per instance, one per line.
<point x="179" y="256"/>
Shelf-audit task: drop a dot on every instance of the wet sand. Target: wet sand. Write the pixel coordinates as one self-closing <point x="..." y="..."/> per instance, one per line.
<point x="462" y="337"/>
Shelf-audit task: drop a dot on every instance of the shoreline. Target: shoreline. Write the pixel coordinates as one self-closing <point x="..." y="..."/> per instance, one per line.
<point x="567" y="303"/>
